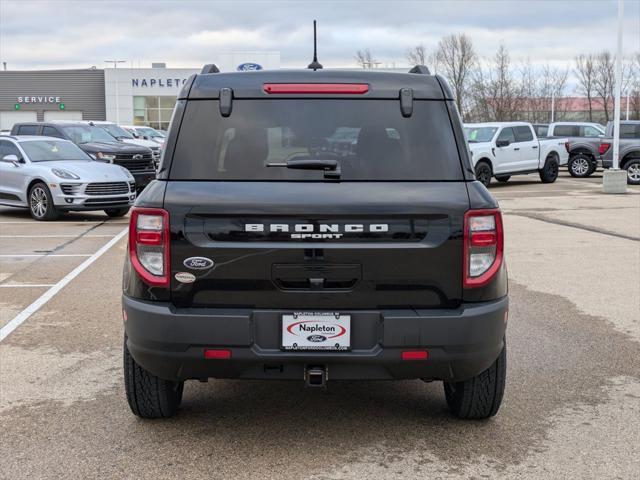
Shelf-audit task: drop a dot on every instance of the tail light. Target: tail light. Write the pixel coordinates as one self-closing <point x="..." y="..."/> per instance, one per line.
<point x="567" y="147"/>
<point x="149" y="245"/>
<point x="483" y="246"/>
<point x="604" y="146"/>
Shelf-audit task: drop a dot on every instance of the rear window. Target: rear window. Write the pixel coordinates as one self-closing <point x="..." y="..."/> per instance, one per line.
<point x="541" y="130"/>
<point x="28" y="130"/>
<point x="523" y="134"/>
<point x="370" y="140"/>
<point x="566" y="131"/>
<point x="630" y="130"/>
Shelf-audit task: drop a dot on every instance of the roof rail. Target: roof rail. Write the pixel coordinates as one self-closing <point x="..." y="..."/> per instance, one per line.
<point x="210" y="68"/>
<point x="421" y="69"/>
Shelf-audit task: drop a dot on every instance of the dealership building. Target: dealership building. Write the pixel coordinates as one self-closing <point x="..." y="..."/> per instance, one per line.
<point x="128" y="96"/>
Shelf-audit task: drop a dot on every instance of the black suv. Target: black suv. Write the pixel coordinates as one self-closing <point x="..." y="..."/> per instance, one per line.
<point x="99" y="144"/>
<point x="314" y="226"/>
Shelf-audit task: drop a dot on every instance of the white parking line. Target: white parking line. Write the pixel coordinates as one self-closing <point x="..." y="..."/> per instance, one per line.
<point x="58" y="222"/>
<point x="28" y="285"/>
<point x="49" y="294"/>
<point x="55" y="236"/>
<point x="20" y="255"/>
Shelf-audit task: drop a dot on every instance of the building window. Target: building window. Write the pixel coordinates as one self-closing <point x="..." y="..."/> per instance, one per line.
<point x="154" y="112"/>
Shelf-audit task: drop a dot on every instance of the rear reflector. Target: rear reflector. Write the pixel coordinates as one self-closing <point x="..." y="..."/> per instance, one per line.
<point x="415" y="355"/>
<point x="217" y="354"/>
<point x="322" y="88"/>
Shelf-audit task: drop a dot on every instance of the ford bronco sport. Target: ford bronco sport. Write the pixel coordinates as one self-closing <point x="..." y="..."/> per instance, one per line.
<point x="315" y="225"/>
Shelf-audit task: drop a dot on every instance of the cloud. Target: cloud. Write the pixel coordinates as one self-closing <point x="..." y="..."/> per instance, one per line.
<point x="66" y="33"/>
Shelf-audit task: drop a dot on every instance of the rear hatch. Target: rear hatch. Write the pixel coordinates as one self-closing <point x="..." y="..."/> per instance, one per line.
<point x="375" y="222"/>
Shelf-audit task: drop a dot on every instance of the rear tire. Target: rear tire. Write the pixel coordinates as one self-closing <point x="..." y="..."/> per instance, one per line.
<point x="549" y="173"/>
<point x="484" y="173"/>
<point x="41" y="204"/>
<point x="503" y="178"/>
<point x="633" y="171"/>
<point x="116" y="212"/>
<point x="581" y="166"/>
<point x="149" y="396"/>
<point x="481" y="396"/>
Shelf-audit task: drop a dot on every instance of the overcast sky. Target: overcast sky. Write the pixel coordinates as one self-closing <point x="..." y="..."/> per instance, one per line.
<point x="70" y="34"/>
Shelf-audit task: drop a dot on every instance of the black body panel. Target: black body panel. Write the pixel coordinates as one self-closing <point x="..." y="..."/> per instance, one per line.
<point x="416" y="263"/>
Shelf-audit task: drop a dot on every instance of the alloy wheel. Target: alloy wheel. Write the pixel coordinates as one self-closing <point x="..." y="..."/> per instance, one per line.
<point x="580" y="166"/>
<point x="633" y="172"/>
<point x="39" y="202"/>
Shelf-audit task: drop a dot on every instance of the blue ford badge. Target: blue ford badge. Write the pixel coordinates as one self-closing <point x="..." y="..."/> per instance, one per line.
<point x="198" y="263"/>
<point x="249" y="67"/>
<point x="316" y="338"/>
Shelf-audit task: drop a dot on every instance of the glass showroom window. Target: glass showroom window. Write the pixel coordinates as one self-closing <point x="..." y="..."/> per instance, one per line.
<point x="154" y="112"/>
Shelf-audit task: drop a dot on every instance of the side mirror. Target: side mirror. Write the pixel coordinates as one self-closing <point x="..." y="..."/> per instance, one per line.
<point x="502" y="143"/>
<point x="12" y="159"/>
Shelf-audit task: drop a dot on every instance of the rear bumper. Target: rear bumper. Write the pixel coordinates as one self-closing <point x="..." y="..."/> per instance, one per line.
<point x="170" y="342"/>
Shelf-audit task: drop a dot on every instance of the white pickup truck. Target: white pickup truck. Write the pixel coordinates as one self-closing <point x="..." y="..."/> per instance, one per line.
<point x="503" y="149"/>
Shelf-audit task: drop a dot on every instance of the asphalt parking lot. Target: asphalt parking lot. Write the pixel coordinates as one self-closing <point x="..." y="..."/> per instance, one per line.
<point x="571" y="410"/>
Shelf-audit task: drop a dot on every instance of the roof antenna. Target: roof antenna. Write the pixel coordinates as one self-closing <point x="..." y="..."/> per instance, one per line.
<point x="315" y="65"/>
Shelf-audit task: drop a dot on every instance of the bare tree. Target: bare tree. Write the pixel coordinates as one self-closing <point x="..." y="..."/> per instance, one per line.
<point x="497" y="95"/>
<point x="634" y="88"/>
<point x="551" y="89"/>
<point x="604" y="80"/>
<point x="417" y="55"/>
<point x="585" y="71"/>
<point x="365" y="59"/>
<point x="456" y="59"/>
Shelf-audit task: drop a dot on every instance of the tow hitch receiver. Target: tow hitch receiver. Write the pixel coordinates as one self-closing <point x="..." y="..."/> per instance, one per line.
<point x="316" y="377"/>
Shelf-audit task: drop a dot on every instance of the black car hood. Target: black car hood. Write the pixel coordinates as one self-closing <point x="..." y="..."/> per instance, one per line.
<point x="94" y="147"/>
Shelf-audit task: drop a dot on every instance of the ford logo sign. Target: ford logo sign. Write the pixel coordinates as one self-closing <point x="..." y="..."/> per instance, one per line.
<point x="198" y="263"/>
<point x="316" y="338"/>
<point x="249" y="67"/>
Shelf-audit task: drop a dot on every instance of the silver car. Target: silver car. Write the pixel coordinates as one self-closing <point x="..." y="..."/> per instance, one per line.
<point x="49" y="175"/>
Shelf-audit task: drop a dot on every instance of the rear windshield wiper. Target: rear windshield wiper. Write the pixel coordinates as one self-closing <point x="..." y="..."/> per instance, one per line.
<point x="331" y="167"/>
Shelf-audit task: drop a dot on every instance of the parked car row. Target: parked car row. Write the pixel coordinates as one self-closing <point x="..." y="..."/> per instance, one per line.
<point x="500" y="149"/>
<point x="52" y="167"/>
<point x="591" y="146"/>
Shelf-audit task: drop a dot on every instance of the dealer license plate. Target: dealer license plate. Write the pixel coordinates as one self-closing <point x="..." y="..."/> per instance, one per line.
<point x="316" y="331"/>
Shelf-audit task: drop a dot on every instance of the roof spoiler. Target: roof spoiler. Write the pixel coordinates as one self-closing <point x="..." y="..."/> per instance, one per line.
<point x="210" y="68"/>
<point x="421" y="69"/>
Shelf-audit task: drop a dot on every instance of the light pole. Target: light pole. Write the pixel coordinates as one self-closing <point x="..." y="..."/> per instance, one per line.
<point x="614" y="180"/>
<point x="115" y="66"/>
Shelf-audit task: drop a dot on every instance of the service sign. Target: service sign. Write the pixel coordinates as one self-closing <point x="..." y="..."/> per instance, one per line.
<point x="316" y="331"/>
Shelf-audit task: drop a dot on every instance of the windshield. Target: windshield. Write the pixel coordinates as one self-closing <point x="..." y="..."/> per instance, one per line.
<point x="115" y="130"/>
<point x="53" y="150"/>
<point x="369" y="140"/>
<point x="87" y="133"/>
<point x="148" y="132"/>
<point x="479" y="134"/>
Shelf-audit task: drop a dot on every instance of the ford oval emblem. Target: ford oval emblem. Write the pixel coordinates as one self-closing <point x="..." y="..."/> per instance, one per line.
<point x="316" y="338"/>
<point x="249" y="67"/>
<point x="198" y="263"/>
